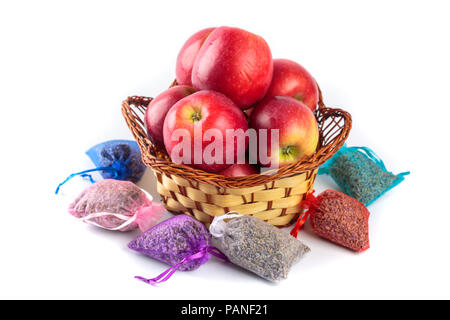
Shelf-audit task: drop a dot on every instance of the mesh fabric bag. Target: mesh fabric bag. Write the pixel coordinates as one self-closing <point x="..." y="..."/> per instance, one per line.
<point x="361" y="174"/>
<point x="115" y="159"/>
<point x="123" y="156"/>
<point x="337" y="217"/>
<point x="181" y="242"/>
<point x="116" y="205"/>
<point x="257" y="246"/>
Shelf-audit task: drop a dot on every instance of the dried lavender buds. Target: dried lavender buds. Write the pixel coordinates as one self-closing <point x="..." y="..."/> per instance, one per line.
<point x="360" y="174"/>
<point x="259" y="247"/>
<point x="363" y="179"/>
<point x="121" y="157"/>
<point x="341" y="219"/>
<point x="116" y="205"/>
<point x="173" y="240"/>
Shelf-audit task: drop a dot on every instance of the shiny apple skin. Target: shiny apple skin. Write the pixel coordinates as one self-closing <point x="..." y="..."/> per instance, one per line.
<point x="188" y="54"/>
<point x="290" y="79"/>
<point x="297" y="125"/>
<point x="236" y="63"/>
<point x="159" y="107"/>
<point x="205" y="110"/>
<point x="239" y="170"/>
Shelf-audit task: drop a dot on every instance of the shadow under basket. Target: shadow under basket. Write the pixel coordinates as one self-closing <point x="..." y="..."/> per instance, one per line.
<point x="274" y="198"/>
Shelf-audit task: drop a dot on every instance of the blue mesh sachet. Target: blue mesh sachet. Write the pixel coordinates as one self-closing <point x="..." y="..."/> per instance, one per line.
<point x="122" y="155"/>
<point x="360" y="173"/>
<point x="115" y="159"/>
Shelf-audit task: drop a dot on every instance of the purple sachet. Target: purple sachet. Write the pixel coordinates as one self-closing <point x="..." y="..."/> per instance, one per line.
<point x="181" y="242"/>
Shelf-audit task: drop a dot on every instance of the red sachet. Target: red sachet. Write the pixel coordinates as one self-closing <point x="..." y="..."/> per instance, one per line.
<point x="337" y="217"/>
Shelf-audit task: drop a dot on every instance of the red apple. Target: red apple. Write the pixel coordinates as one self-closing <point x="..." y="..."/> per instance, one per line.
<point x="236" y="63"/>
<point x="239" y="170"/>
<point x="187" y="55"/>
<point x="298" y="134"/>
<point x="196" y="128"/>
<point x="157" y="110"/>
<point x="292" y="80"/>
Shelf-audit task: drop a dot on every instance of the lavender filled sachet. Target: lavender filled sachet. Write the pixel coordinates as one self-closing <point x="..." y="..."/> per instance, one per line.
<point x="115" y="159"/>
<point x="122" y="156"/>
<point x="181" y="242"/>
<point x="361" y="174"/>
<point x="116" y="205"/>
<point x="256" y="245"/>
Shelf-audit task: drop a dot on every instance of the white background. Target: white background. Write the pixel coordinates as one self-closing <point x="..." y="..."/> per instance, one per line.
<point x="66" y="66"/>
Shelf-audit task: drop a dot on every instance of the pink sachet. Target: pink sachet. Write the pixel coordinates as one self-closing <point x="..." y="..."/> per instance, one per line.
<point x="116" y="205"/>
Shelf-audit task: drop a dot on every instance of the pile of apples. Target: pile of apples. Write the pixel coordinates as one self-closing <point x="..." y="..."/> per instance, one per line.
<point x="227" y="81"/>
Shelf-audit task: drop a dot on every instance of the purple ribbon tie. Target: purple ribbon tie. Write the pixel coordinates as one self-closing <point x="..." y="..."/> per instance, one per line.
<point x="170" y="271"/>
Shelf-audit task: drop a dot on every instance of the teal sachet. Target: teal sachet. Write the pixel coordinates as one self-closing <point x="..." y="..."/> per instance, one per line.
<point x="361" y="174"/>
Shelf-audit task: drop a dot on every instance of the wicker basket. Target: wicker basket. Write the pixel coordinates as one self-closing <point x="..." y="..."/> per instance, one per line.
<point x="274" y="198"/>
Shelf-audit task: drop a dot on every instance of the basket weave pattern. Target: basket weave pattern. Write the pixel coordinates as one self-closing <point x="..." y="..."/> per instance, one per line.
<point x="274" y="197"/>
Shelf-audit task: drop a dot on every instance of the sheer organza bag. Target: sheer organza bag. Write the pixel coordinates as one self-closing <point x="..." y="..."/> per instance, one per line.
<point x="117" y="206"/>
<point x="114" y="159"/>
<point x="361" y="174"/>
<point x="181" y="242"/>
<point x="256" y="245"/>
<point x="336" y="217"/>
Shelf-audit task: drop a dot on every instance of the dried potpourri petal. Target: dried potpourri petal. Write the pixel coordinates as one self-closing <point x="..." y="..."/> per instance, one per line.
<point x="361" y="174"/>
<point x="337" y="217"/>
<point x="181" y="242"/>
<point x="116" y="205"/>
<point x="256" y="245"/>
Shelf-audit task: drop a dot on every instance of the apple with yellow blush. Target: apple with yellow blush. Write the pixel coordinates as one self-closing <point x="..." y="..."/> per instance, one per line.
<point x="297" y="131"/>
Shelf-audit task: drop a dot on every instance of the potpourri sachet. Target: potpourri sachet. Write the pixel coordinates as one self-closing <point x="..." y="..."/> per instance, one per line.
<point x="256" y="245"/>
<point x="116" y="205"/>
<point x="181" y="242"/>
<point x="114" y="159"/>
<point x="123" y="156"/>
<point x="360" y="173"/>
<point x="337" y="217"/>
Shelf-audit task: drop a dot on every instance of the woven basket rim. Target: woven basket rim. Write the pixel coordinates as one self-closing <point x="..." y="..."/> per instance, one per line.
<point x="158" y="160"/>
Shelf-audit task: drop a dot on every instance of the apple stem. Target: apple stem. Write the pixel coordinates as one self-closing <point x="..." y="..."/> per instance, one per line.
<point x="299" y="97"/>
<point x="196" y="116"/>
<point x="288" y="150"/>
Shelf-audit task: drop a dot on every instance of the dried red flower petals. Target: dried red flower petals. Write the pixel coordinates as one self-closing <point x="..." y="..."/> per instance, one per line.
<point x="339" y="218"/>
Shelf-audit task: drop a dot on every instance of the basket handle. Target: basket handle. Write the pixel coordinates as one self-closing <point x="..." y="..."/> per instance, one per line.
<point x="135" y="121"/>
<point x="321" y="104"/>
<point x="335" y="125"/>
